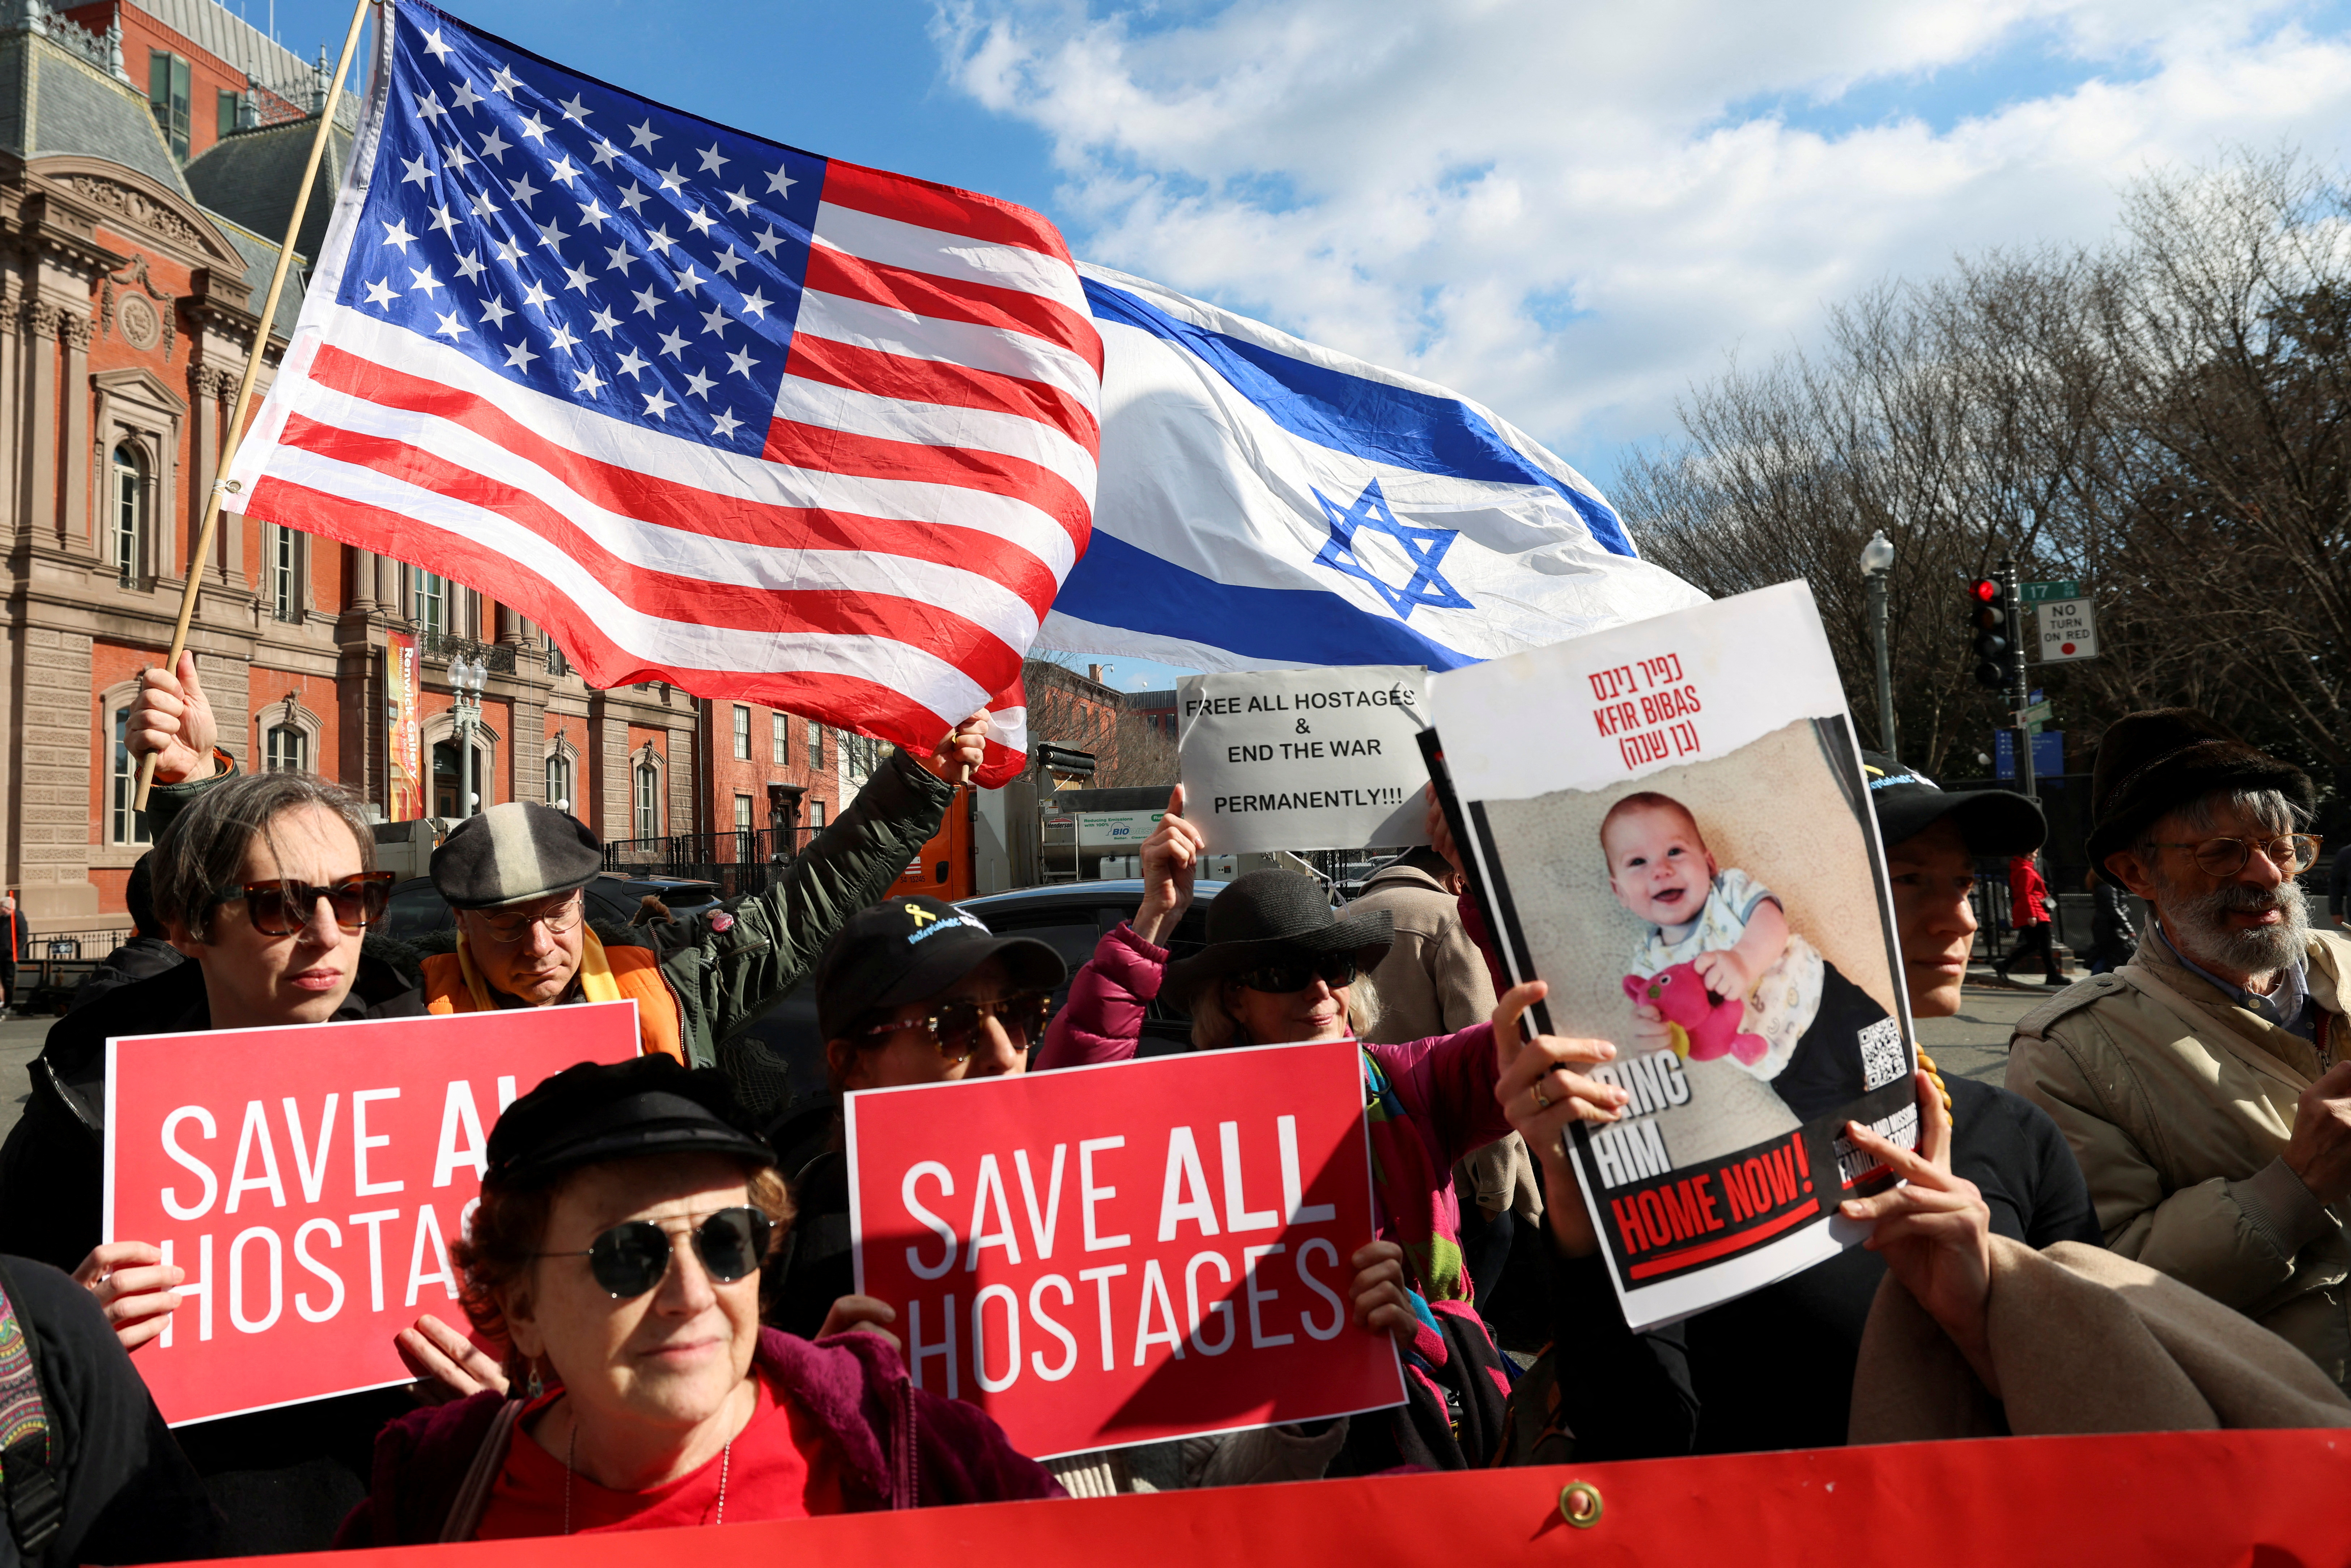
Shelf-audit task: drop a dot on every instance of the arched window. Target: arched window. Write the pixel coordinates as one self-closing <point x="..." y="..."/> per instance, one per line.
<point x="125" y="826"/>
<point x="128" y="502"/>
<point x="648" y="800"/>
<point x="288" y="749"/>
<point x="559" y="780"/>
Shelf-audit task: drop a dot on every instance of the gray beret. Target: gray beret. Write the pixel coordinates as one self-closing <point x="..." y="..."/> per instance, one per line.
<point x="517" y="850"/>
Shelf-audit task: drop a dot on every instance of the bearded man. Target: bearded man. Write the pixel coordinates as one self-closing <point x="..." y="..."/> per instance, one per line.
<point x="2202" y="1085"/>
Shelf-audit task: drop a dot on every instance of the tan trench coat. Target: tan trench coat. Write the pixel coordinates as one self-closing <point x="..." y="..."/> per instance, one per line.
<point x="2179" y="1103"/>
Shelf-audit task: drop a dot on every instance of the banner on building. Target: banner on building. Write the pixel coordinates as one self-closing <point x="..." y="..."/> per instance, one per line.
<point x="1671" y="824"/>
<point x="1130" y="1253"/>
<point x="404" y="792"/>
<point x="1304" y="759"/>
<point x="310" y="1180"/>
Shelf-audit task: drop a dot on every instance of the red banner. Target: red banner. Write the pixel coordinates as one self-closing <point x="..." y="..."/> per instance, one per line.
<point x="309" y="1180"/>
<point x="404" y="778"/>
<point x="1126" y="1253"/>
<point x="2180" y="1499"/>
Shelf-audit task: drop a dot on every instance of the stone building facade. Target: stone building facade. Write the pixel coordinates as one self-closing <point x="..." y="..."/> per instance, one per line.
<point x="135" y="251"/>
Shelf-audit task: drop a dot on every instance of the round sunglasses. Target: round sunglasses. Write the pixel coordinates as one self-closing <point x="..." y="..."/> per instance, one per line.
<point x="955" y="1026"/>
<point x="631" y="1258"/>
<point x="1284" y="975"/>
<point x="282" y="909"/>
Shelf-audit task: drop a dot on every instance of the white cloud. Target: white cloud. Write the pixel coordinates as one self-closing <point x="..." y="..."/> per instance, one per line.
<point x="1572" y="213"/>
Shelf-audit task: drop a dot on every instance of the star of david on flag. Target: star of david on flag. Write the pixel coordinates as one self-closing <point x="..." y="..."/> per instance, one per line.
<point x="1423" y="549"/>
<point x="712" y="410"/>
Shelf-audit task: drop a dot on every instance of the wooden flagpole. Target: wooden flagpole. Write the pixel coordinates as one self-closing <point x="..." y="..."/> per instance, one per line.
<point x="202" y="556"/>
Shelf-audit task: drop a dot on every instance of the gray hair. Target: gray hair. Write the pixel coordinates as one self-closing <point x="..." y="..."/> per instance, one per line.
<point x="2204" y="815"/>
<point x="1213" y="1027"/>
<point x="205" y="847"/>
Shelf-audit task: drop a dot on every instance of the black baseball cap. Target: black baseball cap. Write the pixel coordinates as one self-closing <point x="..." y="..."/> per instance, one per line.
<point x="905" y="949"/>
<point x="1993" y="821"/>
<point x="596" y="1112"/>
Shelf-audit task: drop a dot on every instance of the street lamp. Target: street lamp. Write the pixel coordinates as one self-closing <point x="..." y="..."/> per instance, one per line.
<point x="467" y="677"/>
<point x="1876" y="565"/>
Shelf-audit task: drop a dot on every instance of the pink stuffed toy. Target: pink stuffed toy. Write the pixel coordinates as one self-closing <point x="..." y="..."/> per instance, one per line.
<point x="1703" y="1027"/>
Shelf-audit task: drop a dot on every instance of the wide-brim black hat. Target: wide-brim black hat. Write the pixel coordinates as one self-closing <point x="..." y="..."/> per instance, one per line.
<point x="1270" y="914"/>
<point x="1999" y="822"/>
<point x="2153" y="762"/>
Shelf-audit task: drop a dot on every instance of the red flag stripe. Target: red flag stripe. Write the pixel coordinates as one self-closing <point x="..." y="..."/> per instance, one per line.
<point x="951" y="299"/>
<point x="633" y="492"/>
<point x="755" y="607"/>
<point x="885" y="374"/>
<point x="915" y="673"/>
<point x="941" y="207"/>
<point x="897" y="243"/>
<point x="1007" y="352"/>
<point x="842" y="452"/>
<point x="852" y="410"/>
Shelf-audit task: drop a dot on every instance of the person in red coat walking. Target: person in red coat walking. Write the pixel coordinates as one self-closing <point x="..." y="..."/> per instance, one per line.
<point x="2028" y="901"/>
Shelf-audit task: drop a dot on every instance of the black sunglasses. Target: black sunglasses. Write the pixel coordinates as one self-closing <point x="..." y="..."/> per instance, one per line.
<point x="631" y="1259"/>
<point x="282" y="909"/>
<point x="1286" y="974"/>
<point x="954" y="1025"/>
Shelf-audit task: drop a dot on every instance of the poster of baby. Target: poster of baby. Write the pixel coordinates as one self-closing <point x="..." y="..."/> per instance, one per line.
<point x="1671" y="824"/>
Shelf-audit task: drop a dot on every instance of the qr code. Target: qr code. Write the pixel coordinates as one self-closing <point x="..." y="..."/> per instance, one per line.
<point x="1881" y="1053"/>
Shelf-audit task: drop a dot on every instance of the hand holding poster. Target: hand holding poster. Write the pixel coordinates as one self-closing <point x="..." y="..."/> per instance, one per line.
<point x="1304" y="759"/>
<point x="1688" y="856"/>
<point x="310" y="1181"/>
<point x="1126" y="1253"/>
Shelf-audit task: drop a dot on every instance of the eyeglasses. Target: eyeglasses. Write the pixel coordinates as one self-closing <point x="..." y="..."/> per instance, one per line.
<point x="1286" y="974"/>
<point x="2292" y="853"/>
<point x="510" y="929"/>
<point x="631" y="1259"/>
<point x="282" y="909"/>
<point x="954" y="1025"/>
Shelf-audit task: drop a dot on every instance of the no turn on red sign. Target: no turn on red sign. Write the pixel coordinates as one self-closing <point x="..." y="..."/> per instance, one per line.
<point x="2068" y="630"/>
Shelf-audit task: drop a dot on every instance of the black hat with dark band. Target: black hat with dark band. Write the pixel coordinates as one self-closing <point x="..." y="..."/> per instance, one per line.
<point x="910" y="949"/>
<point x="1270" y="914"/>
<point x="1993" y="821"/>
<point x="593" y="1113"/>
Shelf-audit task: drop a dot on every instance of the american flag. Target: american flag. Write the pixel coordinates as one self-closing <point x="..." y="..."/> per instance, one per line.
<point x="710" y="409"/>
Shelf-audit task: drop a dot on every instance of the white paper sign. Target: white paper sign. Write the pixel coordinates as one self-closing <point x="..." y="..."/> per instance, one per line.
<point x="1672" y="823"/>
<point x="1323" y="758"/>
<point x="2068" y="630"/>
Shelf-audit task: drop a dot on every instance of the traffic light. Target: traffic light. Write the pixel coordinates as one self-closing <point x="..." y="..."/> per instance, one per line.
<point x="1988" y="627"/>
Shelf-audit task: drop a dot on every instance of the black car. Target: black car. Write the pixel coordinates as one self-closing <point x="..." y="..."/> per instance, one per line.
<point x="782" y="1046"/>
<point x="417" y="908"/>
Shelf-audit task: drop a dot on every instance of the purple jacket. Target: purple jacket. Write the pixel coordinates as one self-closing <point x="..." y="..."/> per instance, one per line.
<point x="900" y="1448"/>
<point x="1445" y="1082"/>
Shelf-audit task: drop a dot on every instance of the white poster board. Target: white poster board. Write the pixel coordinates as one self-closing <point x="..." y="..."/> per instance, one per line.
<point x="1323" y="758"/>
<point x="1671" y="824"/>
<point x="2069" y="630"/>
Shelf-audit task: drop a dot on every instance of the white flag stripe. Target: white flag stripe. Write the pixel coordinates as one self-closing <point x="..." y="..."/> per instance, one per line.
<point x="936" y="424"/>
<point x="1004" y="518"/>
<point x="939" y="687"/>
<point x="863" y="325"/>
<point x="652" y="548"/>
<point x="870" y="237"/>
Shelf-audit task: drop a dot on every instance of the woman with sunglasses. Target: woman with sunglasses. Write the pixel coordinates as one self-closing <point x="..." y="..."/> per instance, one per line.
<point x="267" y="883"/>
<point x="615" y="1260"/>
<point x="1280" y="969"/>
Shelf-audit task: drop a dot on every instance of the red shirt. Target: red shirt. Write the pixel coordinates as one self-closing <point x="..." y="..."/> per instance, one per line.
<point x="2027" y="894"/>
<point x="782" y="1467"/>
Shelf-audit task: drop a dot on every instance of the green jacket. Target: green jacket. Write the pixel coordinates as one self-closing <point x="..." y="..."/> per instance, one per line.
<point x="724" y="978"/>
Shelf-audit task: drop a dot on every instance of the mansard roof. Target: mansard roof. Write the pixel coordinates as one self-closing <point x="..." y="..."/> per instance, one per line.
<point x="250" y="177"/>
<point x="54" y="101"/>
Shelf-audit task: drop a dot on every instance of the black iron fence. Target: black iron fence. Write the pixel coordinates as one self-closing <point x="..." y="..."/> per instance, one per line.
<point x="738" y="861"/>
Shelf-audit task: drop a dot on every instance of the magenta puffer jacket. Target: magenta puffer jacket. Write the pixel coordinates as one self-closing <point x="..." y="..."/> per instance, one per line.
<point x="900" y="1446"/>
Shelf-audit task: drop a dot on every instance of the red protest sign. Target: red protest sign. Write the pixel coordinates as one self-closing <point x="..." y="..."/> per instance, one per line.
<point x="1126" y="1253"/>
<point x="309" y="1180"/>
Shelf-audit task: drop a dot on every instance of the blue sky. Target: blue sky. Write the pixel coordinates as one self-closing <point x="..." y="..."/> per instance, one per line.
<point x="1572" y="214"/>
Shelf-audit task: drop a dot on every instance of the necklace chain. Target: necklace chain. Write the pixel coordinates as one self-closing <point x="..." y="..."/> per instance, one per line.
<point x="571" y="1468"/>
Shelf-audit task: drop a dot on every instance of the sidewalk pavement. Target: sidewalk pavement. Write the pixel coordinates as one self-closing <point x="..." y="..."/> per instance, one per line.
<point x="1974" y="1043"/>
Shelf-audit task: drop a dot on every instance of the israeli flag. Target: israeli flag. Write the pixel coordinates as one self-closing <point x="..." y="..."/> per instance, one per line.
<point x="1264" y="502"/>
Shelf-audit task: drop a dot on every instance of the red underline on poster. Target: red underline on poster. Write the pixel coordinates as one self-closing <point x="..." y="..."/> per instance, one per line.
<point x="1717" y="1247"/>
